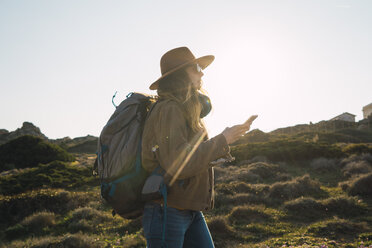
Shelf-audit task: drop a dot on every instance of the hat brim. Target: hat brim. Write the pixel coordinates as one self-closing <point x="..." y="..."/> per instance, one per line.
<point x="202" y="61"/>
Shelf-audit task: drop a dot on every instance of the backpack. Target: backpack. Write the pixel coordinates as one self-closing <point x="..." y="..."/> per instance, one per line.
<point x="119" y="156"/>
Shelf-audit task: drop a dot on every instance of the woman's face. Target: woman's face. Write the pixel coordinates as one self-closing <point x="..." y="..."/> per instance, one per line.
<point x="195" y="74"/>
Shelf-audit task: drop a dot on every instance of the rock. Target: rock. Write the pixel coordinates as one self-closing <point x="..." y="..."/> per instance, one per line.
<point x="3" y="131"/>
<point x="27" y="129"/>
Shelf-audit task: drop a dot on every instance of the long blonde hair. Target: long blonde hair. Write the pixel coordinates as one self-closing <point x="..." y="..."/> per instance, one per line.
<point x="178" y="87"/>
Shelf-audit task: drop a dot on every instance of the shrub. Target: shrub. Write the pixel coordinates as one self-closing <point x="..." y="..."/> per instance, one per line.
<point x="310" y="209"/>
<point x="29" y="151"/>
<point x="367" y="157"/>
<point x="56" y="174"/>
<point x="286" y="150"/>
<point x="16" y="231"/>
<point x="361" y="186"/>
<point x="39" y="220"/>
<point x="357" y="167"/>
<point x="305" y="209"/>
<point x="220" y="228"/>
<point x="88" y="213"/>
<point x="254" y="160"/>
<point x="13" y="210"/>
<point x="344" y="206"/>
<point x="323" y="164"/>
<point x="242" y="187"/>
<point x="337" y="229"/>
<point x="89" y="146"/>
<point x="79" y="240"/>
<point x="238" y="199"/>
<point x="134" y="240"/>
<point x="252" y="173"/>
<point x="248" y="214"/>
<point x="300" y="186"/>
<point x="264" y="170"/>
<point x="81" y="225"/>
<point x="235" y="173"/>
<point x="68" y="240"/>
<point x="357" y="149"/>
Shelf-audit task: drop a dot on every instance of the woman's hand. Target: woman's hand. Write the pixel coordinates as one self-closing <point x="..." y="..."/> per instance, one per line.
<point x="233" y="133"/>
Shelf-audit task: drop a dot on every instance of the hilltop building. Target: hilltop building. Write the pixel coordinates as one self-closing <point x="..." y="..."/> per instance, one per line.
<point x="367" y="111"/>
<point x="344" y="117"/>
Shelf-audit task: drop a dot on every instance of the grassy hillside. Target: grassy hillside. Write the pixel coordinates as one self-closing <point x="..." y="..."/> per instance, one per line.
<point x="282" y="191"/>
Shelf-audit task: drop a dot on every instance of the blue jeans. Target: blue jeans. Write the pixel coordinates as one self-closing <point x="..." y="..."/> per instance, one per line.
<point x="184" y="228"/>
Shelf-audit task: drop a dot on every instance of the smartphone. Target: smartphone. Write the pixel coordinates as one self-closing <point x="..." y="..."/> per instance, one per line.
<point x="250" y="120"/>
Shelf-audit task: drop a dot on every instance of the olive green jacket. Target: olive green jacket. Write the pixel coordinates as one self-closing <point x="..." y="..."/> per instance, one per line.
<point x="169" y="142"/>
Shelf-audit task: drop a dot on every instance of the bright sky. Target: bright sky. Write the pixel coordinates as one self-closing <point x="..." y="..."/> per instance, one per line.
<point x="290" y="62"/>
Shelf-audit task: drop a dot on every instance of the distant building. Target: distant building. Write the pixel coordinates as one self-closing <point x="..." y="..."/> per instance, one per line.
<point x="344" y="117"/>
<point x="367" y="111"/>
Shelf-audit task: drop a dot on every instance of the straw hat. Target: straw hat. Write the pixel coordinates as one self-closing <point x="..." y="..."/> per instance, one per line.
<point x="176" y="59"/>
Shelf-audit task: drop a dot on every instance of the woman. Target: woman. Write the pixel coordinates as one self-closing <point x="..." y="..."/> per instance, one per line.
<point x="175" y="138"/>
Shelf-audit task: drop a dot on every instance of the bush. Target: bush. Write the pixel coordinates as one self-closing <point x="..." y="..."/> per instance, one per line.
<point x="248" y="214"/>
<point x="69" y="241"/>
<point x="361" y="186"/>
<point x="357" y="167"/>
<point x="14" y="209"/>
<point x="305" y="209"/>
<point x="300" y="186"/>
<point x="286" y="150"/>
<point x="31" y="224"/>
<point x="338" y="229"/>
<point x="264" y="170"/>
<point x="219" y="227"/>
<point x="235" y="173"/>
<point x="242" y="187"/>
<point x="310" y="209"/>
<point x="16" y="231"/>
<point x="88" y="213"/>
<point x="55" y="174"/>
<point x="323" y="164"/>
<point x="39" y="220"/>
<point x="79" y="240"/>
<point x="344" y="206"/>
<point x="367" y="157"/>
<point x="29" y="151"/>
<point x="357" y="149"/>
<point x="89" y="146"/>
<point x="81" y="225"/>
<point x="252" y="173"/>
<point x="238" y="199"/>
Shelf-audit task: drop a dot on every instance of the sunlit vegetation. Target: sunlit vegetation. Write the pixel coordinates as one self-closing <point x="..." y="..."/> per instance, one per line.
<point x="283" y="190"/>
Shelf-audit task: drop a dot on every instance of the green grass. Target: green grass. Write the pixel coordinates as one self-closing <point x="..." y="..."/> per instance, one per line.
<point x="55" y="175"/>
<point x="296" y="202"/>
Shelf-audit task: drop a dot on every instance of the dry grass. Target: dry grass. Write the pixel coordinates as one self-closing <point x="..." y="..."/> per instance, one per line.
<point x="305" y="209"/>
<point x="361" y="186"/>
<point x="89" y="213"/>
<point x="356" y="167"/>
<point x="39" y="220"/>
<point x="323" y="164"/>
<point x="252" y="173"/>
<point x="242" y="187"/>
<point x="300" y="186"/>
<point x="238" y="199"/>
<point x="248" y="214"/>
<point x="309" y="209"/>
<point x="338" y="229"/>
<point x="219" y="227"/>
<point x="77" y="240"/>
